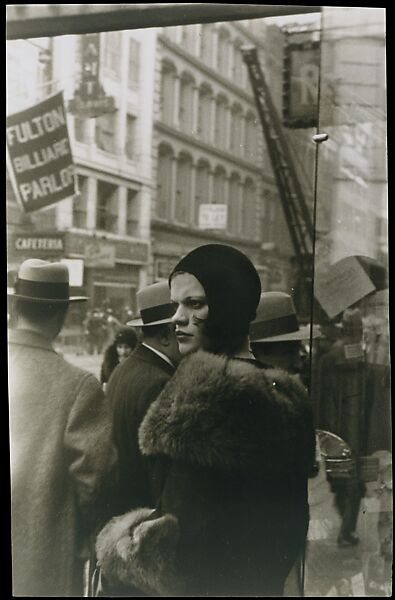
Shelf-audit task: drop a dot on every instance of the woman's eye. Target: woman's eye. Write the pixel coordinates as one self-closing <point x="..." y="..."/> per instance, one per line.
<point x="196" y="304"/>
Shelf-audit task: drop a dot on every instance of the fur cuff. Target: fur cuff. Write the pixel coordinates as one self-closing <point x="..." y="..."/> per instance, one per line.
<point x="137" y="549"/>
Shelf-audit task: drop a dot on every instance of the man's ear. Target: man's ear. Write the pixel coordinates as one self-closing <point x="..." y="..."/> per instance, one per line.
<point x="165" y="338"/>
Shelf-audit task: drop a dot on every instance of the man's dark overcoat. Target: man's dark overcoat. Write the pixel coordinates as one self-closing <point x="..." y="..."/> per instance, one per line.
<point x="232" y="445"/>
<point x="132" y="387"/>
<point x="62" y="460"/>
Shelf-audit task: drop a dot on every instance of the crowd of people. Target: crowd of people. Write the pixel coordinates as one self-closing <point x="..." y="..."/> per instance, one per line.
<point x="184" y="471"/>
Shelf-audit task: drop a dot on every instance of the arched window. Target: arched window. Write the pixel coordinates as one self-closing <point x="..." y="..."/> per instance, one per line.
<point x="219" y="186"/>
<point x="186" y="103"/>
<point x="250" y="137"/>
<point x="236" y="141"/>
<point x="202" y="186"/>
<point x="183" y="191"/>
<point x="204" y="115"/>
<point x="238" y="63"/>
<point x="167" y="96"/>
<point x="165" y="187"/>
<point x="221" y="121"/>
<point x="234" y="204"/>
<point x="188" y="38"/>
<point x="207" y="43"/>
<point x="249" y="209"/>
<point x="223" y="54"/>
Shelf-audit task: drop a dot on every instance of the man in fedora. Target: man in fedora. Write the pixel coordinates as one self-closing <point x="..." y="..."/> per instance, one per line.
<point x="62" y="455"/>
<point x="276" y="341"/>
<point x="136" y="383"/>
<point x="276" y="336"/>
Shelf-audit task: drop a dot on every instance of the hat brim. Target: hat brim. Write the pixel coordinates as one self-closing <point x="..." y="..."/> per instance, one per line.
<point x="303" y="333"/>
<point x="12" y="294"/>
<point x="139" y="322"/>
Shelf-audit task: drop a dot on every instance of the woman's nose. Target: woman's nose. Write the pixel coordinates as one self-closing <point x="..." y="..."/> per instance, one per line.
<point x="179" y="316"/>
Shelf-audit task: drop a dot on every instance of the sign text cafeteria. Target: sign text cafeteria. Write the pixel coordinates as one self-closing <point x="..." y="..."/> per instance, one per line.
<point x="40" y="243"/>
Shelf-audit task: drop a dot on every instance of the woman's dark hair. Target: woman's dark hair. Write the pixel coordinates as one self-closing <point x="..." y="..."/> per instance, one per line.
<point x="126" y="335"/>
<point x="232" y="287"/>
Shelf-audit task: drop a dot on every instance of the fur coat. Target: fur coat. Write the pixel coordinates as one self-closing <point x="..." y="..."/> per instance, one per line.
<point x="232" y="445"/>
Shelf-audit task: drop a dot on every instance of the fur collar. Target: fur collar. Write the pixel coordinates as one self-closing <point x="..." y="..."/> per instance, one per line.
<point x="230" y="414"/>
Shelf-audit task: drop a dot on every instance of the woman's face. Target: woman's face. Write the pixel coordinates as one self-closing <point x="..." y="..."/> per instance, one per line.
<point x="123" y="350"/>
<point x="192" y="310"/>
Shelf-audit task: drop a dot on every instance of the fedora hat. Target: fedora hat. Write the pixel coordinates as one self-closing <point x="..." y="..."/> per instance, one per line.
<point x="154" y="305"/>
<point x="276" y="320"/>
<point x="42" y="281"/>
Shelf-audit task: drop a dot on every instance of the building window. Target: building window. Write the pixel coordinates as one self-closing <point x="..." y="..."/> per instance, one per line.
<point x="267" y="216"/>
<point x="134" y="64"/>
<point x="80" y="202"/>
<point x="186" y="104"/>
<point x="202" y="187"/>
<point x="238" y="64"/>
<point x="167" y="93"/>
<point x="207" y="43"/>
<point x="132" y="215"/>
<point x="223" y="55"/>
<point x="234" y="204"/>
<point x="250" y="139"/>
<point x="249" y="209"/>
<point x="107" y="207"/>
<point x="130" y="138"/>
<point x="112" y="53"/>
<point x="188" y="38"/>
<point x="105" y="132"/>
<point x="165" y="182"/>
<point x="80" y="129"/>
<point x="45" y="72"/>
<point x="204" y="113"/>
<point x="183" y="191"/>
<point x="219" y="186"/>
<point x="236" y="129"/>
<point x="221" y="121"/>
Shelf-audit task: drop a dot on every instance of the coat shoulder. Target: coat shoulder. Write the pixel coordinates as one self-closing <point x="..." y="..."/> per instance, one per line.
<point x="228" y="413"/>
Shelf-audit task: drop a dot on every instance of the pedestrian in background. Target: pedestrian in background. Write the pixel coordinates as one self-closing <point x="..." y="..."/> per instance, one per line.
<point x="62" y="456"/>
<point x="95" y="331"/>
<point x="344" y="411"/>
<point x="124" y="342"/>
<point x="276" y="341"/>
<point x="277" y="337"/>
<point x="228" y="443"/>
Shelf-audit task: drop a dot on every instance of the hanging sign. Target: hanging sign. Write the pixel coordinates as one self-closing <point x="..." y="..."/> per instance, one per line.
<point x="300" y="84"/>
<point x="90" y="99"/>
<point x="39" y="158"/>
<point x="213" y="216"/>
<point x="341" y="285"/>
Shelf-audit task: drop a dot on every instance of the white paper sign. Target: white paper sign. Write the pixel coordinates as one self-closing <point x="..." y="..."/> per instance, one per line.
<point x="341" y="285"/>
<point x="213" y="216"/>
<point x="76" y="271"/>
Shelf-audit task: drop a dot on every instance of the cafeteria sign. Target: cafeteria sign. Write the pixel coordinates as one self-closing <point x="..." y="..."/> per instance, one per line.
<point x="39" y="158"/>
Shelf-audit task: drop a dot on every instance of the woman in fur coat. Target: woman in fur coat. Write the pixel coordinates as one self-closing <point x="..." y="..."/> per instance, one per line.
<point x="231" y="445"/>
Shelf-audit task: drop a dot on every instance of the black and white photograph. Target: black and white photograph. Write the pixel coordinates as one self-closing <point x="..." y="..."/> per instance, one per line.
<point x="198" y="301"/>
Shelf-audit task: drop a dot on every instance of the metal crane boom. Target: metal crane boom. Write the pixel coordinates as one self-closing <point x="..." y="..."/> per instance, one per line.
<point x="296" y="211"/>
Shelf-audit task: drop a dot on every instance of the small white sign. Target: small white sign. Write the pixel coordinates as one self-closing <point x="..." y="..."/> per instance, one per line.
<point x="76" y="271"/>
<point x="341" y="285"/>
<point x="213" y="216"/>
<point x="99" y="255"/>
